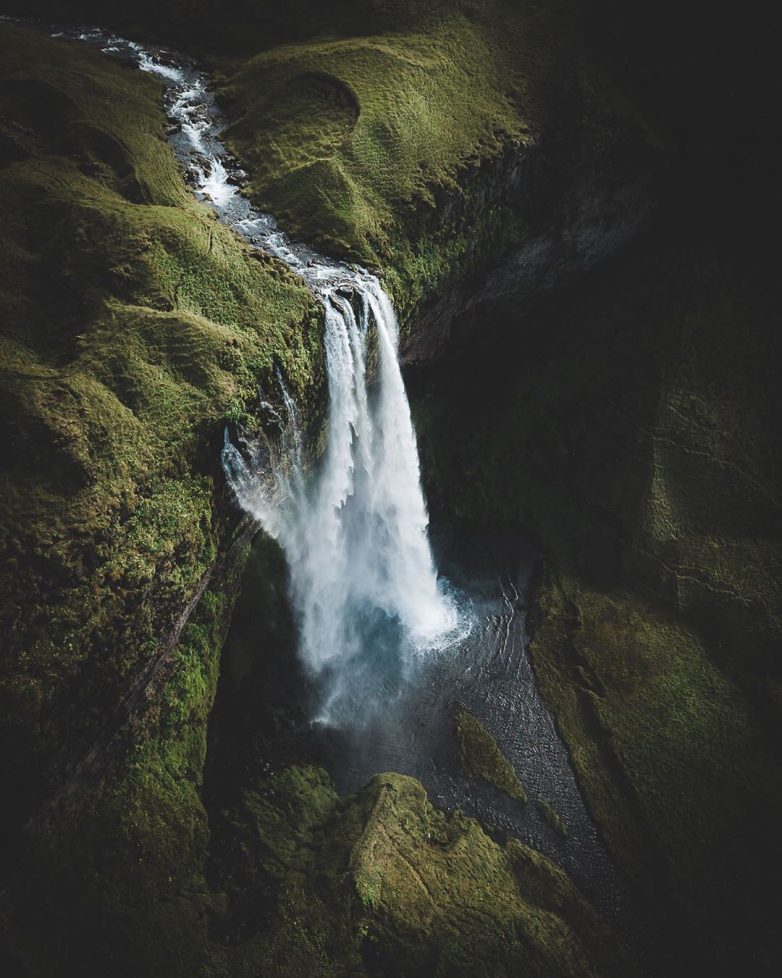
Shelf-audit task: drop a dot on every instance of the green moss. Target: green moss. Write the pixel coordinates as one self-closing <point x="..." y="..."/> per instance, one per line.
<point x="552" y="817"/>
<point x="482" y="758"/>
<point x="347" y="139"/>
<point x="134" y="324"/>
<point x="382" y="883"/>
<point x="648" y="684"/>
<point x="359" y="139"/>
<point x="417" y="270"/>
<point x="126" y="881"/>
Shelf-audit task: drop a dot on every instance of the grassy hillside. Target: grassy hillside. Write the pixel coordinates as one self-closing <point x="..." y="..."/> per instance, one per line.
<point x="349" y="139"/>
<point x="133" y="327"/>
<point x="401" y="134"/>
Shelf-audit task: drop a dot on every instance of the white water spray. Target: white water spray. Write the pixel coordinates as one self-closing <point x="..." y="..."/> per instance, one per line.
<point x="356" y="535"/>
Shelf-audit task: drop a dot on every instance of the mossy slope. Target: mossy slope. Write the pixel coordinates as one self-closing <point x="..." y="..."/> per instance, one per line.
<point x="424" y="139"/>
<point x="481" y="757"/>
<point x="133" y="327"/>
<point x="383" y="884"/>
<point x="346" y="138"/>
<point x="406" y="135"/>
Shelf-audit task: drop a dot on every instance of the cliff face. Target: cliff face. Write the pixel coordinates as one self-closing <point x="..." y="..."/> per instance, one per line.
<point x="630" y="414"/>
<point x="632" y="421"/>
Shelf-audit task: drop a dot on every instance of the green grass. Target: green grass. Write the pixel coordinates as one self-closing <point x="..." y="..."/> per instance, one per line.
<point x="552" y="817"/>
<point x="134" y="325"/>
<point x="481" y="757"/>
<point x="345" y="138"/>
<point x="405" y="889"/>
<point x="396" y="148"/>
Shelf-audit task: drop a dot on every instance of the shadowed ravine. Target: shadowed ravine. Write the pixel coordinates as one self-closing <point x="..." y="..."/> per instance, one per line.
<point x="392" y="651"/>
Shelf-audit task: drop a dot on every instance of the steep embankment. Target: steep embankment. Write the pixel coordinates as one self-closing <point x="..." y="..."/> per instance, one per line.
<point x="632" y="418"/>
<point x="133" y="327"/>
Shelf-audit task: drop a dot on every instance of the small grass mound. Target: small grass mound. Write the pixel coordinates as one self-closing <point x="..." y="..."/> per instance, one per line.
<point x="552" y="818"/>
<point x="382" y="883"/>
<point x="482" y="758"/>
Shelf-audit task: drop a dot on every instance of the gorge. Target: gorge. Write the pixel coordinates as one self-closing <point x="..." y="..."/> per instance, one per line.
<point x="536" y="737"/>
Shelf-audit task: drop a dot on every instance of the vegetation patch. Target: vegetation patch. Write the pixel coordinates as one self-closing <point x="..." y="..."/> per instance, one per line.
<point x="422" y="890"/>
<point x="388" y="132"/>
<point x="134" y="326"/>
<point x="552" y="817"/>
<point x="481" y="757"/>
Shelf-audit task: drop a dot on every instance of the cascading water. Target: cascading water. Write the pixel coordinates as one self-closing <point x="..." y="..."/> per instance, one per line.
<point x="363" y="582"/>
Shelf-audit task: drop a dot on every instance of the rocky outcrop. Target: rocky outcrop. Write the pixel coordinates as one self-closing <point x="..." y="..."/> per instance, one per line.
<point x="580" y="195"/>
<point x="383" y="884"/>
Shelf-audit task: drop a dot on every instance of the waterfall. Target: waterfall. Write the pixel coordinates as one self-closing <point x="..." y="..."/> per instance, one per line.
<point x="354" y="529"/>
<point x="363" y="582"/>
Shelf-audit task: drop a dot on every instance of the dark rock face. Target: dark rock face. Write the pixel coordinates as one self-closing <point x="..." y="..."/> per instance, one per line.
<point x="594" y="225"/>
<point x="629" y="413"/>
<point x="611" y="384"/>
<point x="583" y="189"/>
<point x="632" y="420"/>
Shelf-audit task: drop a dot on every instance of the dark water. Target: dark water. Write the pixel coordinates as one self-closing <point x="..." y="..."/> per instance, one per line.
<point x="412" y="731"/>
